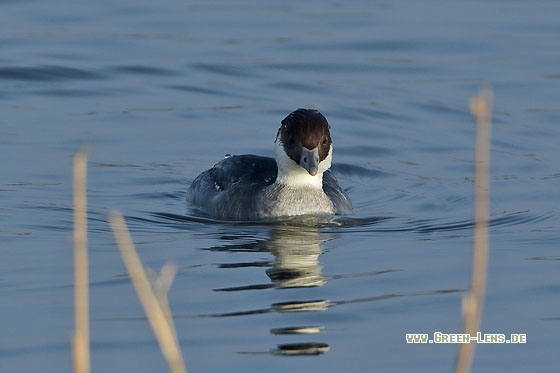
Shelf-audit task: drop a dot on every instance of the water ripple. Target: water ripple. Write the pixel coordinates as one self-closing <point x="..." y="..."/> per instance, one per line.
<point x="48" y="73"/>
<point x="195" y="89"/>
<point x="144" y="70"/>
<point x="224" y="69"/>
<point x="372" y="224"/>
<point x="353" y="170"/>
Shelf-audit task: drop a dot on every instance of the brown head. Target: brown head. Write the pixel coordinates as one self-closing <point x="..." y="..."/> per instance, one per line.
<point x="306" y="139"/>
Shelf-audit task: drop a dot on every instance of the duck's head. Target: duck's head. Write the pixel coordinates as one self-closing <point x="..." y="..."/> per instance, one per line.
<point x="304" y="146"/>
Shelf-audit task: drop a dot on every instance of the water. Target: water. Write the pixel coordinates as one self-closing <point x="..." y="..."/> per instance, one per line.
<point x="161" y="91"/>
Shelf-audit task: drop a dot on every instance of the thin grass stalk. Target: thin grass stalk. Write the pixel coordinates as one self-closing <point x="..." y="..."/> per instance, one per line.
<point x="80" y="343"/>
<point x="158" y="316"/>
<point x="474" y="300"/>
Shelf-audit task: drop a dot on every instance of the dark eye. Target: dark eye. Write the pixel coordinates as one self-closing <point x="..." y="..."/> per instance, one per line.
<point x="291" y="140"/>
<point x="325" y="141"/>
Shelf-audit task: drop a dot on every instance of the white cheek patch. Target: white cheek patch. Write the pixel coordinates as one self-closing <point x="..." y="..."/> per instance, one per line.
<point x="290" y="173"/>
<point x="326" y="163"/>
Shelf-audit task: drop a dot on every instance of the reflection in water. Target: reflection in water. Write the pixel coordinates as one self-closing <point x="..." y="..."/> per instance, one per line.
<point x="314" y="305"/>
<point x="296" y="249"/>
<point x="298" y="330"/>
<point x="296" y="253"/>
<point x="315" y="348"/>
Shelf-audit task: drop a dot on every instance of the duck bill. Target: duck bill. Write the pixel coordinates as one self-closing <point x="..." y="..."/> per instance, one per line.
<point x="310" y="160"/>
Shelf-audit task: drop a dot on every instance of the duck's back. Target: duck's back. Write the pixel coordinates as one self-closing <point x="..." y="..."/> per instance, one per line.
<point x="229" y="189"/>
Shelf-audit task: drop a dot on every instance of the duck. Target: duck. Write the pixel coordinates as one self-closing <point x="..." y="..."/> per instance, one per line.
<point x="297" y="181"/>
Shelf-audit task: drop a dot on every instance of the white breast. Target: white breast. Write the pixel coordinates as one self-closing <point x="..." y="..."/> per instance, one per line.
<point x="286" y="200"/>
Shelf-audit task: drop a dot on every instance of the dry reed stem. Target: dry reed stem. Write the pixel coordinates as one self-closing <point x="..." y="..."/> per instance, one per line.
<point x="80" y="343"/>
<point x="158" y="313"/>
<point x="474" y="300"/>
<point x="161" y="287"/>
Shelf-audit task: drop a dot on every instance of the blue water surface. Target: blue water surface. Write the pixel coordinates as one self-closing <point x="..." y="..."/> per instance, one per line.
<point x="160" y="91"/>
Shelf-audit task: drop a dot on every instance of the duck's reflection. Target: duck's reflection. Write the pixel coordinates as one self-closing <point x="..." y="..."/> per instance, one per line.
<point x="296" y="253"/>
<point x="296" y="250"/>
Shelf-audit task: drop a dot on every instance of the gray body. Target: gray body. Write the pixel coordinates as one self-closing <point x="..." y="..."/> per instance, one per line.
<point x="244" y="187"/>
